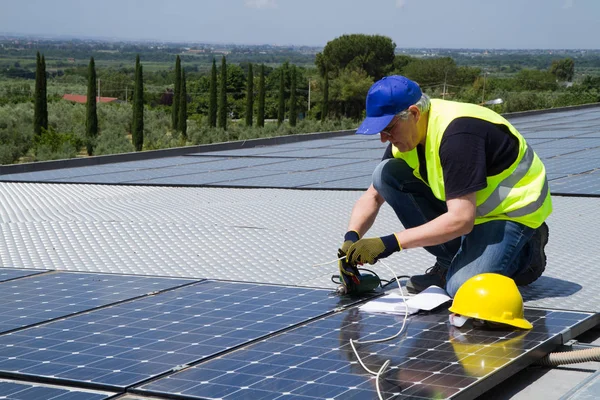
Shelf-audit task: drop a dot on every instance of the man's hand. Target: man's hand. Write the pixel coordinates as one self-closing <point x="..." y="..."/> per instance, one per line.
<point x="370" y="250"/>
<point x="349" y="238"/>
<point x="349" y="274"/>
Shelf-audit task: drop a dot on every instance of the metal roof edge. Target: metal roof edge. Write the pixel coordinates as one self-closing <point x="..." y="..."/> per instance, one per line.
<point x="549" y="110"/>
<point x="172" y="152"/>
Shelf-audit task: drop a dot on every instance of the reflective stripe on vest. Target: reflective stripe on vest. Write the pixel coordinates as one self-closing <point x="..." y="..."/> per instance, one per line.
<point x="503" y="189"/>
<point x="531" y="207"/>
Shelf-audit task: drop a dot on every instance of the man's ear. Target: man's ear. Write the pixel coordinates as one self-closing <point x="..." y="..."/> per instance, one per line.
<point x="414" y="110"/>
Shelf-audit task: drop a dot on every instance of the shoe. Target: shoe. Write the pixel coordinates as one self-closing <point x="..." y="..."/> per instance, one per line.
<point x="538" y="260"/>
<point x="435" y="275"/>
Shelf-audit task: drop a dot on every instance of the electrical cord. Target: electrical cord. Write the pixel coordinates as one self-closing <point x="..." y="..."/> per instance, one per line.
<point x="387" y="363"/>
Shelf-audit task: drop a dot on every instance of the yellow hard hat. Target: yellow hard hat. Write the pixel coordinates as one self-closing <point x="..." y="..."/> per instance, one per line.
<point x="491" y="297"/>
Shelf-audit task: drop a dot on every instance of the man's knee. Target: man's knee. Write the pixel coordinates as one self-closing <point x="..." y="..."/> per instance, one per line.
<point x="392" y="172"/>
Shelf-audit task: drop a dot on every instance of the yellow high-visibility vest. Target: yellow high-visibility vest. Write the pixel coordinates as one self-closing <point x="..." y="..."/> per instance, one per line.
<point x="519" y="193"/>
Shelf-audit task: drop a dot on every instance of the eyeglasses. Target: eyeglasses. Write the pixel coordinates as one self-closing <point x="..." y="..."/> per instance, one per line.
<point x="386" y="131"/>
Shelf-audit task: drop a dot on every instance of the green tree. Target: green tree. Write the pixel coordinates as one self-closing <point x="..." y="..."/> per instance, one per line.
<point x="532" y="79"/>
<point x="347" y="93"/>
<point x="563" y="69"/>
<point x="293" y="99"/>
<point x="260" y="118"/>
<point x="182" y="118"/>
<point x="176" y="95"/>
<point x="223" y="95"/>
<point x="431" y="72"/>
<point x="91" y="121"/>
<point x="371" y="53"/>
<point x="137" y="126"/>
<point x="281" y="107"/>
<point x="212" y="102"/>
<point x="325" y="106"/>
<point x="40" y="118"/>
<point x="249" y="96"/>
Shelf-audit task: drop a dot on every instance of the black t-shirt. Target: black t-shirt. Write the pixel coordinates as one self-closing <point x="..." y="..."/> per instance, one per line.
<point x="471" y="150"/>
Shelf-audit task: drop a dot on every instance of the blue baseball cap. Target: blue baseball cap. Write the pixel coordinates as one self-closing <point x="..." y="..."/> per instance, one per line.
<point x="386" y="98"/>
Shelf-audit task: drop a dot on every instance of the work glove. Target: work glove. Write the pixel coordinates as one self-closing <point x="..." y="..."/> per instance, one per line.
<point x="349" y="274"/>
<point x="349" y="238"/>
<point x="369" y="251"/>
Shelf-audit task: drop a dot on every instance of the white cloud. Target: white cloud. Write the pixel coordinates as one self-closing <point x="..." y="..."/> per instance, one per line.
<point x="569" y="4"/>
<point x="400" y="3"/>
<point x="261" y="3"/>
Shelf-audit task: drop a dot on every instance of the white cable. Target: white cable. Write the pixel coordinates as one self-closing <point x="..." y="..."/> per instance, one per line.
<point x="387" y="363"/>
<point x="329" y="262"/>
<point x="381" y="371"/>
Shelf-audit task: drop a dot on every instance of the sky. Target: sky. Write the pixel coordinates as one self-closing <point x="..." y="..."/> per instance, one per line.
<point x="483" y="24"/>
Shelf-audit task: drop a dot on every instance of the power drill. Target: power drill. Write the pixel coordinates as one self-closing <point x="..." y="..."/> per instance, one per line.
<point x="352" y="282"/>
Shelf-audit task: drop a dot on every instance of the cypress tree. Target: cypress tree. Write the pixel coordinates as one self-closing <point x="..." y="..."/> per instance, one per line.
<point x="44" y="94"/>
<point x="325" y="107"/>
<point x="40" y="117"/>
<point x="91" y="121"/>
<point x="176" y="96"/>
<point x="137" y="127"/>
<point x="182" y="119"/>
<point x="223" y="96"/>
<point x="293" y="113"/>
<point x="260" y="118"/>
<point x="249" y="96"/>
<point x="281" y="110"/>
<point x="212" y="102"/>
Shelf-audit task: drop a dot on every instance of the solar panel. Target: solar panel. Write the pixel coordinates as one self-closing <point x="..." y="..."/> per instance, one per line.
<point x="587" y="184"/>
<point x="41" y="298"/>
<point x="431" y="359"/>
<point x="125" y="344"/>
<point x="572" y="143"/>
<point x="292" y="180"/>
<point x="8" y="274"/>
<point x="352" y="154"/>
<point x="357" y="183"/>
<point x="312" y="153"/>
<point x="204" y="178"/>
<point x="21" y="390"/>
<point x="567" y="165"/>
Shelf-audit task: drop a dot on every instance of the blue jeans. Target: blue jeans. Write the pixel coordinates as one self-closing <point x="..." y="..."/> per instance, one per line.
<point x="496" y="246"/>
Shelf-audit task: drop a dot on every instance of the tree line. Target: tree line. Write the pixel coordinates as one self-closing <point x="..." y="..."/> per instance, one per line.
<point x="233" y="101"/>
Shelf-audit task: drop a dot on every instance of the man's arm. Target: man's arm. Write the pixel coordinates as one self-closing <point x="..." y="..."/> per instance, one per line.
<point x="458" y="221"/>
<point x="365" y="211"/>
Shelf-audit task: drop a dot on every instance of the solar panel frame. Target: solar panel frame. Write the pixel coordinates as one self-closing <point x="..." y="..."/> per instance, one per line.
<point x="316" y="361"/>
<point x="29" y="390"/>
<point x="115" y="347"/>
<point x="9" y="274"/>
<point x="44" y="297"/>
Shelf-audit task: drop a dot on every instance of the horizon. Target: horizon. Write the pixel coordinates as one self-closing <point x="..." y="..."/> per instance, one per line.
<point x="108" y="39"/>
<point x="457" y="24"/>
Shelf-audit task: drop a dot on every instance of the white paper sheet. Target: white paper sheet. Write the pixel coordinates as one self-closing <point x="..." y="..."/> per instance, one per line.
<point x="393" y="303"/>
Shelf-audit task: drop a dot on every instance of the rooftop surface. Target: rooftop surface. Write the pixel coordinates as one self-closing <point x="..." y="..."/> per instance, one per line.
<point x="268" y="213"/>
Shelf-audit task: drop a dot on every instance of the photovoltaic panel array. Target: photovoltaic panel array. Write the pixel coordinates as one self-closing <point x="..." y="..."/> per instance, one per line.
<point x="8" y="274"/>
<point x="555" y="136"/>
<point x="14" y="390"/>
<point x="430" y="360"/>
<point x="36" y="299"/>
<point x="125" y="344"/>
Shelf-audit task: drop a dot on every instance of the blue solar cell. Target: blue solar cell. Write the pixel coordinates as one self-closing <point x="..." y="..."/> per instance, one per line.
<point x="26" y="391"/>
<point x="430" y="359"/>
<point x="40" y="298"/>
<point x="7" y="274"/>
<point x="124" y="344"/>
